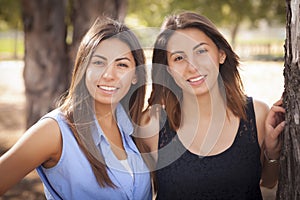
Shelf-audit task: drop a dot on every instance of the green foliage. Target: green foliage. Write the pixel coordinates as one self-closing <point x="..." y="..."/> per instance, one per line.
<point x="10" y="14"/>
<point x="225" y="12"/>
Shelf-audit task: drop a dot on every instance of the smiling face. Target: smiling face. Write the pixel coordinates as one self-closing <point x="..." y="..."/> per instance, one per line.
<point x="110" y="72"/>
<point x="193" y="60"/>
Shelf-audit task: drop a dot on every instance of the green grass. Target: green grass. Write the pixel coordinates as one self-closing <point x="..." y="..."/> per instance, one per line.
<point x="9" y="48"/>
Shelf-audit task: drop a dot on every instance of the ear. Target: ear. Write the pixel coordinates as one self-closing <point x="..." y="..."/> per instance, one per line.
<point x="134" y="80"/>
<point x="222" y="56"/>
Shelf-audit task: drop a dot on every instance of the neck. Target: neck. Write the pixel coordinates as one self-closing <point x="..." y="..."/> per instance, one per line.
<point x="204" y="117"/>
<point x="105" y="114"/>
<point x="207" y="104"/>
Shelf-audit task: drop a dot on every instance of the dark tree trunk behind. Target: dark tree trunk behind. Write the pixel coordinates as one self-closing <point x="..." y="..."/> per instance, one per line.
<point x="46" y="64"/>
<point x="289" y="180"/>
<point x="48" y="57"/>
<point x="85" y="12"/>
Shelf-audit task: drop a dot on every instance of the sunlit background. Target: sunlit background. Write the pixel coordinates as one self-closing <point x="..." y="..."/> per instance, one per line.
<point x="254" y="28"/>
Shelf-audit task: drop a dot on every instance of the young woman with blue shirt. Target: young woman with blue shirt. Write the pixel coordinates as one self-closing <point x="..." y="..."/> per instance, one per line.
<point x="84" y="149"/>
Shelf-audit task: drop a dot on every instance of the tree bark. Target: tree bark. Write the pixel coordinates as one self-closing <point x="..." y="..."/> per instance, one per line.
<point x="289" y="180"/>
<point x="46" y="65"/>
<point x="48" y="57"/>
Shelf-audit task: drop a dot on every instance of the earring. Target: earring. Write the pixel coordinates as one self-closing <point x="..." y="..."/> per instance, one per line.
<point x="222" y="60"/>
<point x="134" y="80"/>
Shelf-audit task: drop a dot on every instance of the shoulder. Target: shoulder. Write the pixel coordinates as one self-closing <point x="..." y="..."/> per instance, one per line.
<point x="147" y="132"/>
<point x="261" y="110"/>
<point x="43" y="130"/>
<point x="43" y="141"/>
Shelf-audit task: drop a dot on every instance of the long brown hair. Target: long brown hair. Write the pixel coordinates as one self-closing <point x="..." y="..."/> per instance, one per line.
<point x="166" y="91"/>
<point x="77" y="106"/>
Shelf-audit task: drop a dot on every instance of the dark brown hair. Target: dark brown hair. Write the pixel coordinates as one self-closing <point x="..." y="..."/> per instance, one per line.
<point x="78" y="106"/>
<point x="166" y="91"/>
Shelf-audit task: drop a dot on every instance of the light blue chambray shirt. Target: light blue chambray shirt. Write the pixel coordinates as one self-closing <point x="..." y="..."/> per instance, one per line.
<point x="72" y="177"/>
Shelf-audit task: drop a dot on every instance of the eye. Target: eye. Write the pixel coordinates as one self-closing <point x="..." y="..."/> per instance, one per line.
<point x="122" y="65"/>
<point x="201" y="51"/>
<point x="178" y="58"/>
<point x="98" y="63"/>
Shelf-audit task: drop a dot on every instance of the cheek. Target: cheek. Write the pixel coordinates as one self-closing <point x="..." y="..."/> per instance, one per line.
<point x="208" y="63"/>
<point x="93" y="74"/>
<point x="91" y="78"/>
<point x="176" y="70"/>
<point x="177" y="75"/>
<point x="126" y="78"/>
<point x="88" y="76"/>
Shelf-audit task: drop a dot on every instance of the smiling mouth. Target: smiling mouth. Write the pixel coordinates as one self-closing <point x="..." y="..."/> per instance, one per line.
<point x="197" y="79"/>
<point x="109" y="89"/>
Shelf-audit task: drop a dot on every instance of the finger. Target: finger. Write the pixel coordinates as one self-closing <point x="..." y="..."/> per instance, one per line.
<point x="278" y="103"/>
<point x="278" y="129"/>
<point x="275" y="108"/>
<point x="276" y="114"/>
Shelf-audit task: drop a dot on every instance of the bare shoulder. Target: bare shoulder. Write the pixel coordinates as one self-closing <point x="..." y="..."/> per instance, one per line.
<point x="261" y="110"/>
<point x="148" y="131"/>
<point x="145" y="118"/>
<point x="49" y="134"/>
<point x="45" y="137"/>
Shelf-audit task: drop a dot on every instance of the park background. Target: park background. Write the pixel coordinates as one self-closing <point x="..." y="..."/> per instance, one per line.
<point x="258" y="41"/>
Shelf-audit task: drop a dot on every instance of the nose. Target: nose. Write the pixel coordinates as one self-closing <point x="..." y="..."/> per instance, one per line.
<point x="191" y="65"/>
<point x="108" y="72"/>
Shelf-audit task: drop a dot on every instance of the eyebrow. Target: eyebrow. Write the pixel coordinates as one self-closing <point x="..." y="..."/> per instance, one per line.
<point x="123" y="58"/>
<point x="102" y="57"/>
<point x="118" y="59"/>
<point x="198" y="45"/>
<point x="195" y="47"/>
<point x="175" y="52"/>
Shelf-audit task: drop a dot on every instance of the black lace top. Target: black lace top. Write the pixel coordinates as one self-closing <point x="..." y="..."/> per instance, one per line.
<point x="231" y="175"/>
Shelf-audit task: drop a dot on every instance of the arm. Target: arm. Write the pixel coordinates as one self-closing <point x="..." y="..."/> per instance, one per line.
<point x="268" y="132"/>
<point x="274" y="126"/>
<point x="39" y="144"/>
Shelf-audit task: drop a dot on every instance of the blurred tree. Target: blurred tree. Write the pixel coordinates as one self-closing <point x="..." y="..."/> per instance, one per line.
<point x="289" y="180"/>
<point x="48" y="56"/>
<point x="226" y="13"/>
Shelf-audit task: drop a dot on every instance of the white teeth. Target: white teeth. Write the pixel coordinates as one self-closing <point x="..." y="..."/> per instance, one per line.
<point x="108" y="88"/>
<point x="196" y="79"/>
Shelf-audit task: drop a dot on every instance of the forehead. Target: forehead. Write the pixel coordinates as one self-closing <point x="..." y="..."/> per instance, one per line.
<point x="113" y="48"/>
<point x="187" y="38"/>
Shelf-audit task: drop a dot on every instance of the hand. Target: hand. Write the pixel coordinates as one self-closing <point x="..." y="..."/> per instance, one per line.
<point x="274" y="126"/>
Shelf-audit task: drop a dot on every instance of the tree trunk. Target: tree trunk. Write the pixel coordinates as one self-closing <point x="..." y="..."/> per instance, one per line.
<point x="46" y="65"/>
<point x="289" y="180"/>
<point x="234" y="32"/>
<point x="48" y="58"/>
<point x="85" y="12"/>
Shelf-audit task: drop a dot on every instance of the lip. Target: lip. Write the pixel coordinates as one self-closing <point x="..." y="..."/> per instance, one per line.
<point x="108" y="89"/>
<point x="197" y="80"/>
